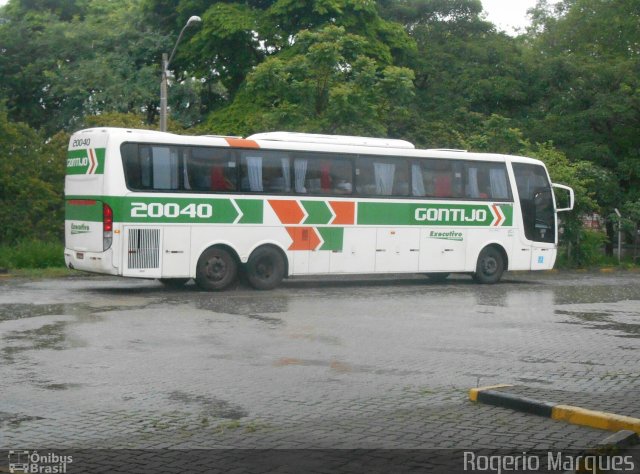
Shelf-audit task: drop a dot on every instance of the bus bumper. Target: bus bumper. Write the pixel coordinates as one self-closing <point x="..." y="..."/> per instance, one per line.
<point x="95" y="262"/>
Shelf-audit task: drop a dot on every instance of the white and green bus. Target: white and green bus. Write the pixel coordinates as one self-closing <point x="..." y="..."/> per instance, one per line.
<point x="156" y="205"/>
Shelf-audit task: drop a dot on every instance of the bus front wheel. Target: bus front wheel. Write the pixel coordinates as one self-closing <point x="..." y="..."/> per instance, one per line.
<point x="490" y="266"/>
<point x="265" y="268"/>
<point x="216" y="269"/>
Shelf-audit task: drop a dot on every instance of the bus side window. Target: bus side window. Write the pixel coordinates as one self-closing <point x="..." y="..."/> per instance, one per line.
<point x="437" y="178"/>
<point x="382" y="176"/>
<point x="486" y="180"/>
<point x="151" y="167"/>
<point x="211" y="169"/>
<point x="165" y="167"/>
<point x="265" y="172"/>
<point x="131" y="165"/>
<point x="319" y="174"/>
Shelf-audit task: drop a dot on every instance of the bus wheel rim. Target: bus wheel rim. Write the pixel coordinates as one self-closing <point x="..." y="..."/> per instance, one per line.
<point x="264" y="268"/>
<point x="489" y="266"/>
<point x="216" y="268"/>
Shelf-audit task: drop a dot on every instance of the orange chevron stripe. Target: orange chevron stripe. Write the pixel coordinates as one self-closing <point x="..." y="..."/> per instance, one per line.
<point x="94" y="163"/>
<point x="303" y="238"/>
<point x="241" y="143"/>
<point x="289" y="212"/>
<point x="497" y="214"/>
<point x="345" y="212"/>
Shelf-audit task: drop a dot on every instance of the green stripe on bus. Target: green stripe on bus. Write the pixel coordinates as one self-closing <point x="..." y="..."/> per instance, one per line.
<point x="176" y="210"/>
<point x="319" y="212"/>
<point x="252" y="211"/>
<point x="83" y="212"/>
<point x="333" y="238"/>
<point x="507" y="210"/>
<point x="431" y="214"/>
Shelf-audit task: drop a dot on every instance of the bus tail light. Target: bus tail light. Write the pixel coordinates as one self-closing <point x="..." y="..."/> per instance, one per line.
<point x="107" y="226"/>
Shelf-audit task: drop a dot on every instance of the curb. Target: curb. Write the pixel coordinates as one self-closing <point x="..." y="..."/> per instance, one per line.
<point x="570" y="414"/>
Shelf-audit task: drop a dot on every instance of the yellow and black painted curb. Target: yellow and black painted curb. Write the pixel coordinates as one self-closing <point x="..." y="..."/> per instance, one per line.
<point x="571" y="414"/>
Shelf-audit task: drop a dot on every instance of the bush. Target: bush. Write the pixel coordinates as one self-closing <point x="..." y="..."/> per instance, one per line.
<point x="32" y="254"/>
<point x="589" y="249"/>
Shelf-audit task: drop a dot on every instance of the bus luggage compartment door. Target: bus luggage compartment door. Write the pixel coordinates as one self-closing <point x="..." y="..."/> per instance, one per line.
<point x="141" y="251"/>
<point x="176" y="251"/>
<point x="397" y="249"/>
<point x="442" y="250"/>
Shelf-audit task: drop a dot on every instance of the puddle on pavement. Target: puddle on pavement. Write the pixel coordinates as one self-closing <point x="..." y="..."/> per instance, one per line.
<point x="603" y="321"/>
<point x="265" y="319"/>
<point x="52" y="335"/>
<point x="16" y="419"/>
<point x="595" y="294"/>
<point x="11" y="312"/>
<point x="211" y="406"/>
<point x="256" y="309"/>
<point x="536" y="360"/>
<point x="245" y="306"/>
<point x="60" y="386"/>
<point x="49" y="336"/>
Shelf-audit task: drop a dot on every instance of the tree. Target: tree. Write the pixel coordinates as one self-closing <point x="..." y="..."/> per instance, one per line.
<point x="326" y="83"/>
<point x="237" y="36"/>
<point x="58" y="69"/>
<point x="587" y="90"/>
<point x="31" y="183"/>
<point x="465" y="70"/>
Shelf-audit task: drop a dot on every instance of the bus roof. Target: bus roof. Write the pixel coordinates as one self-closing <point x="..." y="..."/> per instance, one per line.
<point x="304" y="142"/>
<point x="332" y="139"/>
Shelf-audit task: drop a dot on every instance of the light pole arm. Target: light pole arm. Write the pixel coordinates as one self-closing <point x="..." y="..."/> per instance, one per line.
<point x="165" y="69"/>
<point x="175" y="46"/>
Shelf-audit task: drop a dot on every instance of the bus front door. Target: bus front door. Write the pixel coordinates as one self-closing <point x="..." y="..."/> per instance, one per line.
<point x="538" y="214"/>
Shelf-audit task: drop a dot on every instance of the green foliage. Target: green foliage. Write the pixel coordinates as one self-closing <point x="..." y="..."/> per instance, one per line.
<point x="58" y="69"/>
<point x="585" y="60"/>
<point x="588" y="251"/>
<point x="30" y="185"/>
<point x="324" y="83"/>
<point x="32" y="254"/>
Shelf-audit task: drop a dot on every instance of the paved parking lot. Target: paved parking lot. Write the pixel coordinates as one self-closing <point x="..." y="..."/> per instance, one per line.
<point x="352" y="363"/>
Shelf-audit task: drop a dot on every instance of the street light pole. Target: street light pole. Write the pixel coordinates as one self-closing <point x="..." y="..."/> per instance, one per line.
<point x="165" y="69"/>
<point x="619" y="234"/>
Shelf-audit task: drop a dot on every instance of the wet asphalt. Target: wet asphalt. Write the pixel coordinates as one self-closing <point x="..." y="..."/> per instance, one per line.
<point x="96" y="362"/>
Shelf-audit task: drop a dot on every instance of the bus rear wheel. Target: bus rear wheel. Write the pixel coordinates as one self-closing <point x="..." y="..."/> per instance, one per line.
<point x="216" y="269"/>
<point x="490" y="266"/>
<point x="265" y="268"/>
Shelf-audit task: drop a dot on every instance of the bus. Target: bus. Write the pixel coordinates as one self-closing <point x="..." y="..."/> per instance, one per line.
<point x="148" y="204"/>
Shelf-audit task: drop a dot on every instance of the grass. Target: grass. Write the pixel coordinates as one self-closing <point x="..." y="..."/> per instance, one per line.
<point x="51" y="272"/>
<point x="32" y="254"/>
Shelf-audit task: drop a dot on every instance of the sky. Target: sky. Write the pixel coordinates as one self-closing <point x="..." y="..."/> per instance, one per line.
<point x="508" y="15"/>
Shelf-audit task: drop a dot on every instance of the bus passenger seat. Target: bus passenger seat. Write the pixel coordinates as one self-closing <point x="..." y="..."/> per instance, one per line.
<point x="443" y="186"/>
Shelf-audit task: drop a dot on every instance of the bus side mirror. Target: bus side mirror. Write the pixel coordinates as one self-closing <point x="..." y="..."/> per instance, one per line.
<point x="571" y="196"/>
